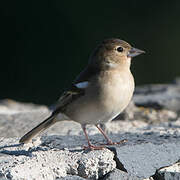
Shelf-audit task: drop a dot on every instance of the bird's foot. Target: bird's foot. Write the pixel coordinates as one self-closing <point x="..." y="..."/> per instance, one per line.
<point x="92" y="147"/>
<point x="115" y="143"/>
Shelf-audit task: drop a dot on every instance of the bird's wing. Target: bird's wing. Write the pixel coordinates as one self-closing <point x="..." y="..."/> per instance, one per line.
<point x="76" y="90"/>
<point x="67" y="97"/>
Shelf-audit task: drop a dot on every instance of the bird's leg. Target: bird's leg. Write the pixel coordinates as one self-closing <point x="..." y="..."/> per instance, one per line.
<point x="109" y="141"/>
<point x="90" y="146"/>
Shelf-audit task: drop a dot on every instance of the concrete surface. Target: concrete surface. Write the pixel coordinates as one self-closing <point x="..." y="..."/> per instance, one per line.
<point x="151" y="125"/>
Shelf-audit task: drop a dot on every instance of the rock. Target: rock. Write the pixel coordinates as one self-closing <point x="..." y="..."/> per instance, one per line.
<point x="118" y="174"/>
<point x="144" y="112"/>
<point x="159" y="96"/>
<point x="96" y="164"/>
<point x="144" y="158"/>
<point x="17" y="118"/>
<point x="149" y="148"/>
<point x="71" y="178"/>
<point x="154" y="103"/>
<point x="169" y="173"/>
<point x="43" y="162"/>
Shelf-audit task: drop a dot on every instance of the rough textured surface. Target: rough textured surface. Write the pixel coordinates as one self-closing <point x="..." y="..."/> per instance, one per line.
<point x="148" y="112"/>
<point x="144" y="160"/>
<point x="17" y="118"/>
<point x="161" y="96"/>
<point x="169" y="173"/>
<point x="149" y="148"/>
<point x="69" y="177"/>
<point x="118" y="174"/>
<point x="42" y="162"/>
<point x="151" y="124"/>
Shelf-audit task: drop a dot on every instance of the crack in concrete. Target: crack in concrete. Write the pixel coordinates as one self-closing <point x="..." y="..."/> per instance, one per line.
<point x="119" y="165"/>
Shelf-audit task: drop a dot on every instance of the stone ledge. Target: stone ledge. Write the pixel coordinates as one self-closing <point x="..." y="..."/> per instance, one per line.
<point x="16" y="162"/>
<point x="151" y="124"/>
<point x="58" y="156"/>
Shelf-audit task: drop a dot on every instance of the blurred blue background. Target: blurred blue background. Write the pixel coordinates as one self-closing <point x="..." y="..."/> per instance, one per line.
<point x="45" y="44"/>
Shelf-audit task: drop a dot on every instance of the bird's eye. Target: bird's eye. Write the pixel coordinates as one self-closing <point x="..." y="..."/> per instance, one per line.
<point x="120" y="49"/>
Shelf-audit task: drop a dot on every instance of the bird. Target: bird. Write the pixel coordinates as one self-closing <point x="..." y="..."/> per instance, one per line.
<point x="99" y="93"/>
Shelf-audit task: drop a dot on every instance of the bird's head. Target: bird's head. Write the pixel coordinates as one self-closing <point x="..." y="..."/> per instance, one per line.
<point x="114" y="52"/>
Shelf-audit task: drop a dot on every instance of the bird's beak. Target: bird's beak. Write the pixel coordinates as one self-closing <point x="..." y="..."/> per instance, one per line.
<point x="134" y="52"/>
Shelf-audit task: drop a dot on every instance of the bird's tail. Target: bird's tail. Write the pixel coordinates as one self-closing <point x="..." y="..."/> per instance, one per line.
<point x="39" y="128"/>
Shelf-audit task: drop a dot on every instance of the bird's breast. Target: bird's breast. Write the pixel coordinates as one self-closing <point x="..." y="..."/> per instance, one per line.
<point x="104" y="99"/>
<point x="116" y="91"/>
